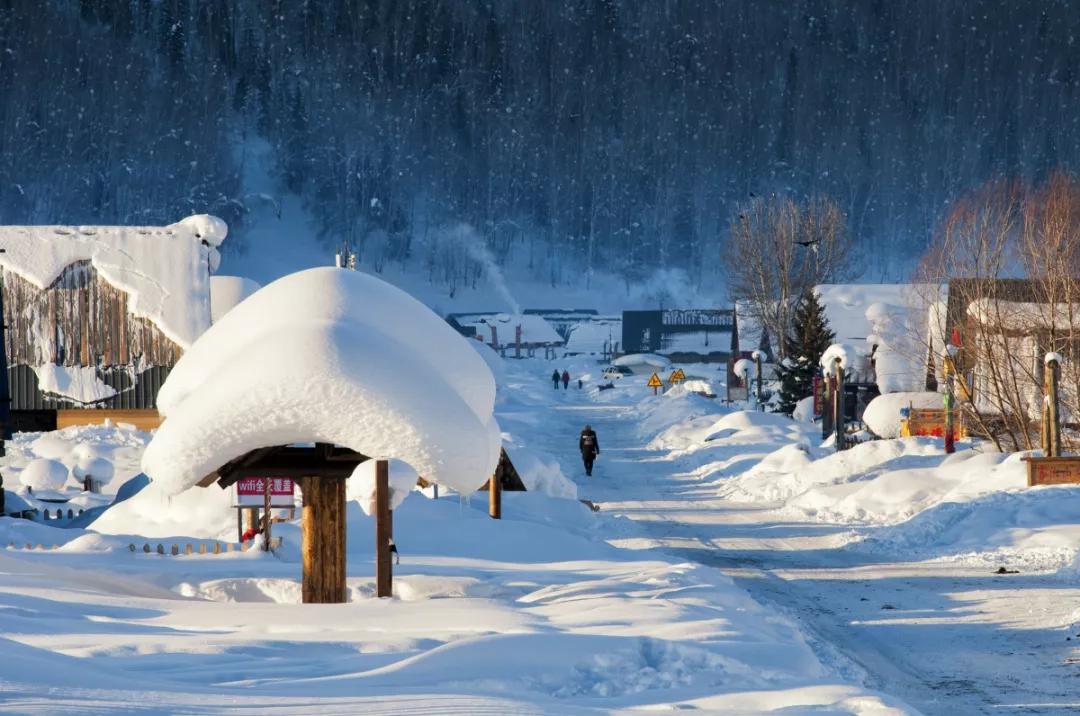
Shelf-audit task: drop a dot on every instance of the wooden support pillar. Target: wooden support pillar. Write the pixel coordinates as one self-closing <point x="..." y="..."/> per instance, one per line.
<point x="267" y="517"/>
<point x="757" y="368"/>
<point x="323" y="538"/>
<point x="1053" y="432"/>
<point x="384" y="531"/>
<point x="826" y="406"/>
<point x="838" y="404"/>
<point x="495" y="497"/>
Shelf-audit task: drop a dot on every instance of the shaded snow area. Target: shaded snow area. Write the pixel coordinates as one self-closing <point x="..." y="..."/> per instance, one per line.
<point x="539" y="613"/>
<point x="163" y="269"/>
<point x="328" y="355"/>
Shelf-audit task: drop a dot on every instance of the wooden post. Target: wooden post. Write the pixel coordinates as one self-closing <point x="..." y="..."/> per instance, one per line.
<point x="838" y="404"/>
<point x="950" y="422"/>
<point x="826" y="407"/>
<point x="495" y="497"/>
<point x="239" y="524"/>
<point x="757" y="364"/>
<point x="1053" y="408"/>
<point x="323" y="540"/>
<point x="266" y="514"/>
<point x="384" y="531"/>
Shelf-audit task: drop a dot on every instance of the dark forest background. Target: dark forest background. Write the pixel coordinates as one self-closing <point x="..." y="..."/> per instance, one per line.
<point x="606" y="134"/>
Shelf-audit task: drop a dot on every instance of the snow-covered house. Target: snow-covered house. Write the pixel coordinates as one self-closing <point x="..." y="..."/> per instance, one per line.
<point x="509" y="334"/>
<point x="684" y="336"/>
<point x="96" y="316"/>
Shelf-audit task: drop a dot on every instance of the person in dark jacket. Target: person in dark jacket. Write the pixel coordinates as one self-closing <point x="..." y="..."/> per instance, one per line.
<point x="590" y="448"/>
<point x="566" y="380"/>
<point x="555" y="378"/>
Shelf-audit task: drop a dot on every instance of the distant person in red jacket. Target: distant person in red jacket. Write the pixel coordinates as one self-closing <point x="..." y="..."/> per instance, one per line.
<point x="565" y="380"/>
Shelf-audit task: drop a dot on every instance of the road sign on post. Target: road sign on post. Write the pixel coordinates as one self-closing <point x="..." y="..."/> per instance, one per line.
<point x="655" y="383"/>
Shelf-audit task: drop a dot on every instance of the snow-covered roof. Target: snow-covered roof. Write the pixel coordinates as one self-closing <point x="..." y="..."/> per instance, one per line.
<point x="228" y="291"/>
<point x="336" y="356"/>
<point x="638" y="360"/>
<point x="163" y="269"/>
<point x="534" y="329"/>
<point x="591" y="336"/>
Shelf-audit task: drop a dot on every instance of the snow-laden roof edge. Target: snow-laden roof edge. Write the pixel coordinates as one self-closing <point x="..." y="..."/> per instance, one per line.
<point x="336" y="356"/>
<point x="164" y="270"/>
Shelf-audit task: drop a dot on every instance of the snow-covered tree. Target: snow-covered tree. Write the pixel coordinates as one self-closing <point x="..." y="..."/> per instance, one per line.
<point x="809" y="337"/>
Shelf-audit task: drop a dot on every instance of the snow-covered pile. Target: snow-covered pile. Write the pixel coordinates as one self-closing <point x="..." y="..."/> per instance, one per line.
<point x="328" y="355"/>
<point x="226" y="292"/>
<point x="882" y="415"/>
<point x="59" y="460"/>
<point x="165" y="270"/>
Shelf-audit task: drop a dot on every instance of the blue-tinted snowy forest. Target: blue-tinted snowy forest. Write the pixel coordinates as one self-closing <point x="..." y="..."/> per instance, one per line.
<point x="609" y="134"/>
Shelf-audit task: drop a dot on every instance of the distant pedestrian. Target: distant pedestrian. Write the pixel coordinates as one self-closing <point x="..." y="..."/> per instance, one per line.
<point x="555" y="377"/>
<point x="565" y="380"/>
<point x="590" y="448"/>
<point x="580" y="384"/>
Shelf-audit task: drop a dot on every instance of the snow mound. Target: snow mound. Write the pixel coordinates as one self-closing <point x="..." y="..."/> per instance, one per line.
<point x="165" y="270"/>
<point x="843" y="352"/>
<point x="361" y="485"/>
<point x="882" y="415"/>
<point x="226" y="292"/>
<point x="804" y="410"/>
<point x="773" y="479"/>
<point x="336" y="356"/>
<point x="44" y="474"/>
<point x="541" y="473"/>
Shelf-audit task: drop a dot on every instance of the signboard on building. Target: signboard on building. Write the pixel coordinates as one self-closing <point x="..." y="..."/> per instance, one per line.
<point x="249" y="492"/>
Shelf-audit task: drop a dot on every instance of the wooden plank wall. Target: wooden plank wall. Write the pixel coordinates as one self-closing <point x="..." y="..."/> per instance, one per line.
<point x="80" y="320"/>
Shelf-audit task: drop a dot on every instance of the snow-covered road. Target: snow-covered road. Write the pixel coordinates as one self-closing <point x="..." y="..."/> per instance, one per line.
<point x="946" y="638"/>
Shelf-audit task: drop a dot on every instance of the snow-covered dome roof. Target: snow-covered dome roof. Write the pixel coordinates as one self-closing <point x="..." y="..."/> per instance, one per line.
<point x="336" y="356"/>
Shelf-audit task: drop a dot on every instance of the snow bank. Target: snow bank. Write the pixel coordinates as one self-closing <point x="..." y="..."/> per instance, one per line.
<point x="882" y="415"/>
<point x="80" y="384"/>
<point x="164" y="270"/>
<point x="328" y="355"/>
<point x="226" y="292"/>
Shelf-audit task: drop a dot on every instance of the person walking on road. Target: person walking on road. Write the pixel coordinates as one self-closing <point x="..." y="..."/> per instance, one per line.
<point x="565" y="380"/>
<point x="590" y="448"/>
<point x="555" y="378"/>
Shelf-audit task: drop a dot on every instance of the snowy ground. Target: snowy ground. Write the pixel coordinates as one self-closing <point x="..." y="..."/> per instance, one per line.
<point x="884" y="555"/>
<point x="734" y="567"/>
<point x="538" y="613"/>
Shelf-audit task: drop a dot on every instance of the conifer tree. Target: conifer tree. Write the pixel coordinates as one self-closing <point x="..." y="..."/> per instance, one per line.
<point x="808" y="338"/>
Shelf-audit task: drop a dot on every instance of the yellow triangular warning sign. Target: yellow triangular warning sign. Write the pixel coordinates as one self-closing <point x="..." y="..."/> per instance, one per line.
<point x="655" y="381"/>
<point x="677" y="377"/>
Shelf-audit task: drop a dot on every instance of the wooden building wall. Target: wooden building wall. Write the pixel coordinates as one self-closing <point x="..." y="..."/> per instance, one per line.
<point x="82" y="320"/>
